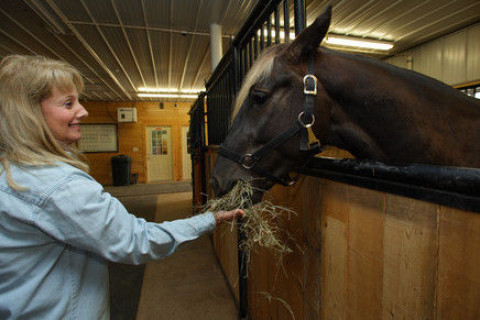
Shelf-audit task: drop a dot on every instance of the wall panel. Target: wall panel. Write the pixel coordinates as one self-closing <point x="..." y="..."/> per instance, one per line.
<point x="453" y="59"/>
<point x="131" y="136"/>
<point x="473" y="53"/>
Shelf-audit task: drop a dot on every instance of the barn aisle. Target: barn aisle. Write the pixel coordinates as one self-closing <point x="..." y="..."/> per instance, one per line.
<point x="186" y="285"/>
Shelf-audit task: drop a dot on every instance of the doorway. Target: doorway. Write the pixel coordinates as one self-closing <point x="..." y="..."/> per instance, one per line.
<point x="187" y="161"/>
<point x="159" y="153"/>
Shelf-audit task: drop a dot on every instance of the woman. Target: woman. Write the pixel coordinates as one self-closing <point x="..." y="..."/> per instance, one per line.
<point x="58" y="228"/>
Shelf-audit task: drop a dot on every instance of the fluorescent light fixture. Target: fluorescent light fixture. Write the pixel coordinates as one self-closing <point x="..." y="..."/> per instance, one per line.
<point x="157" y="89"/>
<point x="345" y="41"/>
<point x="167" y="90"/>
<point x="167" y="95"/>
<point x="356" y="42"/>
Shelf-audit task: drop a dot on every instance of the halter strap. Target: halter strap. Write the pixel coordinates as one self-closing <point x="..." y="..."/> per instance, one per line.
<point x="310" y="92"/>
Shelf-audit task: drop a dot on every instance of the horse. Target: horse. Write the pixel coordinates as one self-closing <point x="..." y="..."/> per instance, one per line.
<point x="299" y="96"/>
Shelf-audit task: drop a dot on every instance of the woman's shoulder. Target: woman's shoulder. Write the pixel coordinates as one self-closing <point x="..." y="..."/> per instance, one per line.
<point x="37" y="181"/>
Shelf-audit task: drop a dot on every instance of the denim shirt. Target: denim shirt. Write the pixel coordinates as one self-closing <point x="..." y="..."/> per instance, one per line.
<point x="57" y="235"/>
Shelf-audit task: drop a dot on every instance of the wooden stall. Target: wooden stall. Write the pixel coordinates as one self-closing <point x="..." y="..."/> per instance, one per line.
<point x="362" y="254"/>
<point x="369" y="241"/>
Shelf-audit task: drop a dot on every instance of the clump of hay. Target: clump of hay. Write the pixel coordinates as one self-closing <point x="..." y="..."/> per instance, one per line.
<point x="261" y="223"/>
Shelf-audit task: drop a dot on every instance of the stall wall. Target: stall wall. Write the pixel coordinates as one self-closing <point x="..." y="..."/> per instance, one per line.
<point x="131" y="136"/>
<point x="362" y="254"/>
<point x="453" y="59"/>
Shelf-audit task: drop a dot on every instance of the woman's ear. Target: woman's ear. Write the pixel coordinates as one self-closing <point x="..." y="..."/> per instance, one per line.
<point x="307" y="42"/>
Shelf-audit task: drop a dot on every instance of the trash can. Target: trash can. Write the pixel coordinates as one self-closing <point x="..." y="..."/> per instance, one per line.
<point x="121" y="170"/>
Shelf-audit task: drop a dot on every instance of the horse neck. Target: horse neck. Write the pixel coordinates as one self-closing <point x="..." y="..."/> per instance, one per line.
<point x="390" y="114"/>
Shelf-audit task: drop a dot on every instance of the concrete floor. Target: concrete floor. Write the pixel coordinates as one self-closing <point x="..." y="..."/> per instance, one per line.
<point x="189" y="284"/>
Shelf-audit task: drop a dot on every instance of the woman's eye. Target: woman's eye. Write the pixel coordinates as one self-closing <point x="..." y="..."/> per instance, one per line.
<point x="69" y="104"/>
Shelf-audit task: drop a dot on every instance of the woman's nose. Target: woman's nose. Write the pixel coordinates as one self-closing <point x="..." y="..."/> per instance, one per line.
<point x="82" y="112"/>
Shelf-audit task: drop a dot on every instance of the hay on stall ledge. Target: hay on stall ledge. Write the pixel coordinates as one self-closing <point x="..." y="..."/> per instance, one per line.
<point x="261" y="223"/>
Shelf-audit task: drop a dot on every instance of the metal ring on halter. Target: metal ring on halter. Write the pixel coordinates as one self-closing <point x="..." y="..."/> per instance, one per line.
<point x="306" y="125"/>
<point x="248" y="157"/>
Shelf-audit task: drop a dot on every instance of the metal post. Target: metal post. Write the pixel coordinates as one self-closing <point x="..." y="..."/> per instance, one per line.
<point x="286" y="21"/>
<point x="277" y="25"/>
<point x="299" y="12"/>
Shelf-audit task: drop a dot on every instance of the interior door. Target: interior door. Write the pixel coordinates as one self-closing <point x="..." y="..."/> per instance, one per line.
<point x="159" y="153"/>
<point x="187" y="161"/>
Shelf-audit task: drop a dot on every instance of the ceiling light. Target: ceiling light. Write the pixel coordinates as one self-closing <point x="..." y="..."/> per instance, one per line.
<point x="157" y="89"/>
<point x="168" y="90"/>
<point x="167" y="95"/>
<point x="357" y="42"/>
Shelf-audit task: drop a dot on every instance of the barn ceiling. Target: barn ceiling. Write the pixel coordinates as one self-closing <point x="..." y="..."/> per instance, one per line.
<point x="122" y="45"/>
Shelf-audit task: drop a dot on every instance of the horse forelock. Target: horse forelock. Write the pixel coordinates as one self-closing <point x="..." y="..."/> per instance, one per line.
<point x="261" y="69"/>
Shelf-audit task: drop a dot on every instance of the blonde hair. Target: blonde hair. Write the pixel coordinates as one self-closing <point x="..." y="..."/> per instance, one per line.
<point x="25" y="138"/>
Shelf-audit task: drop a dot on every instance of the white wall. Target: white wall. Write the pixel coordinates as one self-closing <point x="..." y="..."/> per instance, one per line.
<point x="453" y="59"/>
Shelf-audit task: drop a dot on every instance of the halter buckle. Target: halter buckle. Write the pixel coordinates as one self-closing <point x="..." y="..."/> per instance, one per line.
<point x="306" y="90"/>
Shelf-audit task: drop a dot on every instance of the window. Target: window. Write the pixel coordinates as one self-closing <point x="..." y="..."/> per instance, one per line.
<point x="471" y="90"/>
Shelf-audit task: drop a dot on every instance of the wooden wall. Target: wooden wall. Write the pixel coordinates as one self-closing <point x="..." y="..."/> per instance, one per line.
<point x="363" y="254"/>
<point x="131" y="136"/>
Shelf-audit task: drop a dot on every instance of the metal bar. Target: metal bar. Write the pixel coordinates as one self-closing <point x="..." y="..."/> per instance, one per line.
<point x="255" y="46"/>
<point x="450" y="186"/>
<point x="262" y="39"/>
<point x="299" y="13"/>
<point x="276" y="14"/>
<point x="259" y="15"/>
<point x="269" y="32"/>
<point x="286" y="21"/>
<point x="250" y="54"/>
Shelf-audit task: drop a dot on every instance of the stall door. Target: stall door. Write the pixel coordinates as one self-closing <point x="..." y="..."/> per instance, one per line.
<point x="187" y="161"/>
<point x="159" y="153"/>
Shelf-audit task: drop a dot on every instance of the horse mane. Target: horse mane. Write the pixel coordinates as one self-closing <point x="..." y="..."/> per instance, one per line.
<point x="262" y="68"/>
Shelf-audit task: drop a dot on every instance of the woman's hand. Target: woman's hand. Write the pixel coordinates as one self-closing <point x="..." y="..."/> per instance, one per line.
<point x="222" y="216"/>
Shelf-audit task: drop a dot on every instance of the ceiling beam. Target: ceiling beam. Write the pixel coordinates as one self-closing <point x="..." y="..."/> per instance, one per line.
<point x="109" y="46"/>
<point x="127" y="40"/>
<point x="145" y="28"/>
<point x="92" y="52"/>
<point x="68" y="47"/>
<point x="149" y="41"/>
<point x="189" y="52"/>
<point x="170" y="53"/>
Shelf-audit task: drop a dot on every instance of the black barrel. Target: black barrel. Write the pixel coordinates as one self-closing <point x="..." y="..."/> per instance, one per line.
<point x="121" y="170"/>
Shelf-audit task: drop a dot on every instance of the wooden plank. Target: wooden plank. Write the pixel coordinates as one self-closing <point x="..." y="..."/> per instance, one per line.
<point x="334" y="250"/>
<point x="409" y="274"/>
<point x="312" y="234"/>
<point x="365" y="253"/>
<point x="458" y="294"/>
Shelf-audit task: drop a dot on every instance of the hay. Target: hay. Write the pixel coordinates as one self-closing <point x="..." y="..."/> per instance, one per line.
<point x="261" y="224"/>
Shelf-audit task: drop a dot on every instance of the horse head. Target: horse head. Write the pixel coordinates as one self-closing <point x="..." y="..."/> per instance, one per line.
<point x="269" y="117"/>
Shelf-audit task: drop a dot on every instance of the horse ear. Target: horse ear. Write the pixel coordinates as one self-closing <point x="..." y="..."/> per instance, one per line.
<point x="307" y="42"/>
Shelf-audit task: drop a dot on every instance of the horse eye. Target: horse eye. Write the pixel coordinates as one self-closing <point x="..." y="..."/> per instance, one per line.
<point x="259" y="96"/>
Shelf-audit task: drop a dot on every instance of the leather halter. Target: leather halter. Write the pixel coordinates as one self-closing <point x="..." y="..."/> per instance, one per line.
<point x="305" y="120"/>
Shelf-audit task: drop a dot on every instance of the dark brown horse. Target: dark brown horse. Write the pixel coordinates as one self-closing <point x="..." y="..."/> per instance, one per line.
<point x="374" y="110"/>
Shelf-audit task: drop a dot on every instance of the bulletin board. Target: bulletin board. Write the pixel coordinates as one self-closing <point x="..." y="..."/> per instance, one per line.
<point x="99" y="138"/>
